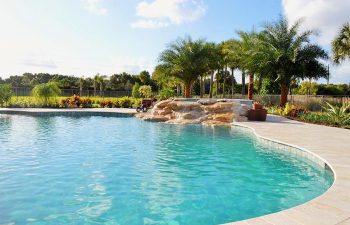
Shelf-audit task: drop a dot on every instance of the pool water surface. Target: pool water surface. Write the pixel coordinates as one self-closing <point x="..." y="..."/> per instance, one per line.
<point x="109" y="170"/>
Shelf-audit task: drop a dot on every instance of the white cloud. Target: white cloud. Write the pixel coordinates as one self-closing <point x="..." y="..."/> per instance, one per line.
<point x="163" y="13"/>
<point x="149" y="24"/>
<point x="131" y="65"/>
<point x="326" y="17"/>
<point x="94" y="6"/>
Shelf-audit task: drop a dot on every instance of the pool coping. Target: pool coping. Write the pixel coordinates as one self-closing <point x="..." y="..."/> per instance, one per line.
<point x="114" y="112"/>
<point x="333" y="206"/>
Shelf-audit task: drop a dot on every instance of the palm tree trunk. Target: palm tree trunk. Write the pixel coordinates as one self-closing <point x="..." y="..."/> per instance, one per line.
<point x="243" y="82"/>
<point x="178" y="90"/>
<point x="95" y="87"/>
<point x="211" y="84"/>
<point x="250" y="86"/>
<point x="223" y="89"/>
<point x="217" y="84"/>
<point x="187" y="90"/>
<point x="81" y="89"/>
<point x="284" y="95"/>
<point x="232" y="82"/>
<point x="201" y="86"/>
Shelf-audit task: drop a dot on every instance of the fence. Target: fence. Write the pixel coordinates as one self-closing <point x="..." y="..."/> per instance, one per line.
<point x="311" y="102"/>
<point x="26" y="91"/>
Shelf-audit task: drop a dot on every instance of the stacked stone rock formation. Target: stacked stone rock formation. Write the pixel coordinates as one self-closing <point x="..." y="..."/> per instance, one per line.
<point x="206" y="112"/>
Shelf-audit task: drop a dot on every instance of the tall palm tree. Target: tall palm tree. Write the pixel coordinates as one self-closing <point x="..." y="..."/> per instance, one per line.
<point x="341" y="44"/>
<point x="233" y="48"/>
<point x="213" y="63"/>
<point x="248" y="45"/>
<point x="186" y="60"/>
<point x="96" y="82"/>
<point x="224" y="61"/>
<point x="287" y="54"/>
<point x="99" y="81"/>
<point x="81" y="82"/>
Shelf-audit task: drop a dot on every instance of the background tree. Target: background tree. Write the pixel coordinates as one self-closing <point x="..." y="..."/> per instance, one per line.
<point x="5" y="93"/>
<point x="341" y="44"/>
<point x="186" y="60"/>
<point x="285" y="52"/>
<point x="248" y="45"/>
<point x="213" y="63"/>
<point x="233" y="48"/>
<point x="135" y="90"/>
<point x="46" y="91"/>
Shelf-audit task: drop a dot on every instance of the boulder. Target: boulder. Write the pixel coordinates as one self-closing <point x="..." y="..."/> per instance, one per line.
<point x="206" y="111"/>
<point x="219" y="107"/>
<point x="207" y="101"/>
<point x="184" y="106"/>
<point x="151" y="118"/>
<point x="215" y="123"/>
<point x="162" y="104"/>
<point x="243" y="110"/>
<point x="224" y="117"/>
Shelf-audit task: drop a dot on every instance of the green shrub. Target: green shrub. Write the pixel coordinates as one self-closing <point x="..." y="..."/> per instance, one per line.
<point x="46" y="92"/>
<point x="116" y="103"/>
<point x="337" y="114"/>
<point x="5" y="94"/>
<point x="135" y="91"/>
<point x="315" y="117"/>
<point x="125" y="102"/>
<point x="145" y="91"/>
<point x="136" y="101"/>
<point x="94" y="102"/>
<point x="106" y="103"/>
<point x="166" y="93"/>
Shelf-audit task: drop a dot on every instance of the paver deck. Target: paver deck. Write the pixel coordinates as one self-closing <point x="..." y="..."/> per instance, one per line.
<point x="333" y="146"/>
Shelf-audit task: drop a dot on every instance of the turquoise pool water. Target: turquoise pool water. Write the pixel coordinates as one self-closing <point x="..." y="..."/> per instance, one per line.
<point x="105" y="170"/>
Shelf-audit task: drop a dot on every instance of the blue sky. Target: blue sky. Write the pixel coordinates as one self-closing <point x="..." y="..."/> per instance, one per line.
<point x="85" y="37"/>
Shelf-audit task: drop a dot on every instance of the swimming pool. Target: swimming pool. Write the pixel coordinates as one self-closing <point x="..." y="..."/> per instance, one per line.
<point x="108" y="170"/>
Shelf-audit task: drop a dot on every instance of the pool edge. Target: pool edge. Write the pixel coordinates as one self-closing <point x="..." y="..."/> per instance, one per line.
<point x="335" y="211"/>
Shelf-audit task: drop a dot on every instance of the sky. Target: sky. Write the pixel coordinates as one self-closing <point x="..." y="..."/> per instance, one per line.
<point x="86" y="37"/>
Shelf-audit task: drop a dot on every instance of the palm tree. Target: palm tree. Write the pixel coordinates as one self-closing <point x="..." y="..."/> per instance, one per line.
<point x="99" y="81"/>
<point x="213" y="63"/>
<point x="81" y="82"/>
<point x="96" y="82"/>
<point x="248" y="43"/>
<point x="341" y="44"/>
<point x="233" y="48"/>
<point x="102" y="82"/>
<point x="287" y="54"/>
<point x="186" y="60"/>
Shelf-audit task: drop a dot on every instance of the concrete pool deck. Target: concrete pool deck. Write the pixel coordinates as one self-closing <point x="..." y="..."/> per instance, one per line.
<point x="329" y="143"/>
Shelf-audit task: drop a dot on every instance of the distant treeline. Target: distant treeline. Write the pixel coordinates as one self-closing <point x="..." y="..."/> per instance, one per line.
<point x="313" y="88"/>
<point x="116" y="82"/>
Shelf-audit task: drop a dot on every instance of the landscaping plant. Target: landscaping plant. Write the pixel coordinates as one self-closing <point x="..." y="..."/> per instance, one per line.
<point x="45" y="93"/>
<point x="337" y="114"/>
<point x="5" y="93"/>
<point x="146" y="91"/>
